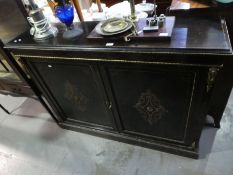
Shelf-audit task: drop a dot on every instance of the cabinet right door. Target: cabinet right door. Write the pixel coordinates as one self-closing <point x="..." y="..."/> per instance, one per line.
<point x="154" y="101"/>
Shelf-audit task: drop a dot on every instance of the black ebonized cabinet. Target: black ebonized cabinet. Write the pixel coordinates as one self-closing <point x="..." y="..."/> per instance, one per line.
<point x="151" y="94"/>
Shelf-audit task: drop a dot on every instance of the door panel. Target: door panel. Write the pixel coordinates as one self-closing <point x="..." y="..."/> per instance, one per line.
<point x="77" y="90"/>
<point x="153" y="102"/>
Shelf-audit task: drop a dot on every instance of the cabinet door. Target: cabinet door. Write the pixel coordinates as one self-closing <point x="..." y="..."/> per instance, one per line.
<point x="153" y="101"/>
<point x="75" y="88"/>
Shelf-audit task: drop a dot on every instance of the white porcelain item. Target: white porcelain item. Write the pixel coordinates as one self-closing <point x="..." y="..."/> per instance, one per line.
<point x="122" y="9"/>
<point x="145" y="7"/>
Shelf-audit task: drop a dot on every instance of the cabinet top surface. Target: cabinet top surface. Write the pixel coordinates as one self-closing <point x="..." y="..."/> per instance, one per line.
<point x="191" y="35"/>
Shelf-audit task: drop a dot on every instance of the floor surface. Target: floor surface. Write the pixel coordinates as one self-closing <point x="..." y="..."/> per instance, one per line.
<point x="32" y="144"/>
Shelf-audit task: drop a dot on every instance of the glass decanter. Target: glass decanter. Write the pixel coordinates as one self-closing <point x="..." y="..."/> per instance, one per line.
<point x="64" y="11"/>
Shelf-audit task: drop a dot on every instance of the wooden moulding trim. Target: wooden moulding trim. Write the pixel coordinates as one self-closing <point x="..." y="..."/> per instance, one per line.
<point x="118" y="60"/>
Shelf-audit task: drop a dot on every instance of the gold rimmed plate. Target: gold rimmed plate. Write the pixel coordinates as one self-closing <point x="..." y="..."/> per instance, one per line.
<point x="113" y="26"/>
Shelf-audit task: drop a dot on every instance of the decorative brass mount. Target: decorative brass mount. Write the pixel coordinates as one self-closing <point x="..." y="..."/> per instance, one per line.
<point x="213" y="71"/>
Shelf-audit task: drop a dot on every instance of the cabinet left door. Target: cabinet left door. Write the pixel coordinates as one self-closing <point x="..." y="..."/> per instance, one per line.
<point x="75" y="89"/>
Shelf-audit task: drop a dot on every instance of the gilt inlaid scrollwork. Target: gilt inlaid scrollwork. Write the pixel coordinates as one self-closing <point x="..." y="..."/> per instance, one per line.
<point x="150" y="107"/>
<point x="74" y="95"/>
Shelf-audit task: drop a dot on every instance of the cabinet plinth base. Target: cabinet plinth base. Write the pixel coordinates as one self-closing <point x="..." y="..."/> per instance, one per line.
<point x="165" y="147"/>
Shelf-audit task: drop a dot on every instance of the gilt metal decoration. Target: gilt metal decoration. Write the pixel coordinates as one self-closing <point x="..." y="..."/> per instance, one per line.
<point x="150" y="107"/>
<point x="213" y="71"/>
<point x="73" y="94"/>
